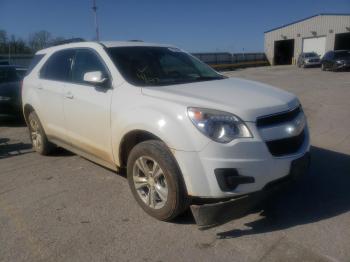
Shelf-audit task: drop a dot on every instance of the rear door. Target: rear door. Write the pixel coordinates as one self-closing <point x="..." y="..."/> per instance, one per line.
<point x="54" y="76"/>
<point x="87" y="107"/>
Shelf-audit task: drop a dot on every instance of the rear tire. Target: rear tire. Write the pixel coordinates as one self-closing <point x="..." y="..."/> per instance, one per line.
<point x="37" y="135"/>
<point x="156" y="181"/>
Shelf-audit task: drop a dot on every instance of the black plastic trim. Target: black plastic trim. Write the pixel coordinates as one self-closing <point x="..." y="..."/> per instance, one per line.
<point x="223" y="174"/>
<point x="278" y="118"/>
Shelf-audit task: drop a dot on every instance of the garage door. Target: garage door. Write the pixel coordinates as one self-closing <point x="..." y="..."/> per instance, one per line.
<point x="315" y="44"/>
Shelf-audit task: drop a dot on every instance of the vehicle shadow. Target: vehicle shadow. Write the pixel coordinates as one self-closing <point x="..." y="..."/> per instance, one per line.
<point x="59" y="151"/>
<point x="13" y="149"/>
<point x="322" y="194"/>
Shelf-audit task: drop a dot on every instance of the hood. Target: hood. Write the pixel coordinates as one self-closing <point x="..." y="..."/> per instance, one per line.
<point x="346" y="59"/>
<point x="246" y="99"/>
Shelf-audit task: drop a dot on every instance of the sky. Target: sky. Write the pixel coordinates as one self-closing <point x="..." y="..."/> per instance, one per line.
<point x="194" y="25"/>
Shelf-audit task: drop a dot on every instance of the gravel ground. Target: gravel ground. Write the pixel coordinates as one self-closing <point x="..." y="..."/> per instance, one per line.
<point x="65" y="208"/>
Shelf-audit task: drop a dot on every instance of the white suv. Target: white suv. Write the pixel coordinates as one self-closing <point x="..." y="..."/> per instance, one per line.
<point x="182" y="131"/>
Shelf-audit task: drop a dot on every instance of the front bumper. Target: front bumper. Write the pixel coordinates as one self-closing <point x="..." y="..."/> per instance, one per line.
<point x="313" y="63"/>
<point x="342" y="66"/>
<point x="250" y="157"/>
<point x="209" y="215"/>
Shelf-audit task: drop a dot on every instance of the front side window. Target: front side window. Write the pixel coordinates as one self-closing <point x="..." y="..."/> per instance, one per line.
<point x="328" y="55"/>
<point x="86" y="61"/>
<point x="58" y="66"/>
<point x="157" y="66"/>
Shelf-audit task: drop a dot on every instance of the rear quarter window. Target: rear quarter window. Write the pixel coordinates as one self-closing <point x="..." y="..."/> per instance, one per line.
<point x="36" y="59"/>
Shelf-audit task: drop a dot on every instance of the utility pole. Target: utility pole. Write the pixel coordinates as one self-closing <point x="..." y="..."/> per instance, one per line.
<point x="94" y="8"/>
<point x="9" y="58"/>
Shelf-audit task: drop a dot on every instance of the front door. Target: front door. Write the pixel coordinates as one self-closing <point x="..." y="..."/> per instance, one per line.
<point x="87" y="108"/>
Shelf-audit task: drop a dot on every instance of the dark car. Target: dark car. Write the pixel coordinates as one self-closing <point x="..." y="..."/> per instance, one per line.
<point x="308" y="59"/>
<point x="10" y="90"/>
<point x="336" y="60"/>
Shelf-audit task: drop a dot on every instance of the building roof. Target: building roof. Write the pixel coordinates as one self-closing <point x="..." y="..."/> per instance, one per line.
<point x="298" y="21"/>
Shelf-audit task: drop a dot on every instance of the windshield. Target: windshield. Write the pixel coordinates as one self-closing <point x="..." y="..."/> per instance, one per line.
<point x="342" y="54"/>
<point x="156" y="66"/>
<point x="310" y="54"/>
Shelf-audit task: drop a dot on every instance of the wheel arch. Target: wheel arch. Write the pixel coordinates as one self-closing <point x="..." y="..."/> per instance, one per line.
<point x="137" y="136"/>
<point x="27" y="109"/>
<point x="130" y="140"/>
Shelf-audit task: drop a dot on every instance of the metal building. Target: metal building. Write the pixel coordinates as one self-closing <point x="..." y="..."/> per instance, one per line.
<point x="319" y="33"/>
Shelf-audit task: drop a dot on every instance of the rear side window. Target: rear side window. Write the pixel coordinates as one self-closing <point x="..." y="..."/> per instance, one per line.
<point x="36" y="59"/>
<point x="58" y="66"/>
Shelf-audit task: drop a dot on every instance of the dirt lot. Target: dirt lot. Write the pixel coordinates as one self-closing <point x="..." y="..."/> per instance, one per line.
<point x="65" y="208"/>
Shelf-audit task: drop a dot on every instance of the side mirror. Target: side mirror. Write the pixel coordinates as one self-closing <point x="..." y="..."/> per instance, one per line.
<point x="95" y="78"/>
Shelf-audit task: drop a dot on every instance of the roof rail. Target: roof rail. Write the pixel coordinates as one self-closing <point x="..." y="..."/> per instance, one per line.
<point x="66" y="41"/>
<point x="135" y="40"/>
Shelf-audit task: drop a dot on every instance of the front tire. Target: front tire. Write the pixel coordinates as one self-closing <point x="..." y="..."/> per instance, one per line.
<point x="156" y="181"/>
<point x="37" y="135"/>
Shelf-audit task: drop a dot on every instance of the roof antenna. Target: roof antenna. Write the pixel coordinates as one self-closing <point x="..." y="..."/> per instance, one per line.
<point x="94" y="8"/>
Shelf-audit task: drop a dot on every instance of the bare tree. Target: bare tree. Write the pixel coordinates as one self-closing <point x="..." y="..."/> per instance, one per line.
<point x="36" y="41"/>
<point x="3" y="41"/>
<point x="39" y="40"/>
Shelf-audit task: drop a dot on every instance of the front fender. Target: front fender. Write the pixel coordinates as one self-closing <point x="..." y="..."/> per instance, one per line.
<point x="172" y="126"/>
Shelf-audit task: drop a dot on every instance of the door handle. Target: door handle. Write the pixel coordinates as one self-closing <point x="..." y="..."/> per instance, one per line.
<point x="69" y="95"/>
<point x="39" y="87"/>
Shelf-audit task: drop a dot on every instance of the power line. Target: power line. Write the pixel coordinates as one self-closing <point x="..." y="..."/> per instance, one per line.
<point x="94" y="8"/>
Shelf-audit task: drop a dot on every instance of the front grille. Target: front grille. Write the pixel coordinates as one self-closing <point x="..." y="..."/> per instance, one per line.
<point x="286" y="146"/>
<point x="283" y="146"/>
<point x="278" y="118"/>
<point x="314" y="60"/>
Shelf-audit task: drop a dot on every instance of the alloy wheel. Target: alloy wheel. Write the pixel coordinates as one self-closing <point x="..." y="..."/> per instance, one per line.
<point x="150" y="182"/>
<point x="35" y="134"/>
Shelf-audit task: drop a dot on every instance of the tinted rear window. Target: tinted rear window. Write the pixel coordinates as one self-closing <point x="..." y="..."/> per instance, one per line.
<point x="58" y="66"/>
<point x="8" y="74"/>
<point x="342" y="54"/>
<point x="310" y="54"/>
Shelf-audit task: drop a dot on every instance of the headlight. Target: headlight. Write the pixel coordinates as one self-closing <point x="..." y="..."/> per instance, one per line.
<point x="340" y="62"/>
<point x="5" y="98"/>
<point x="219" y="126"/>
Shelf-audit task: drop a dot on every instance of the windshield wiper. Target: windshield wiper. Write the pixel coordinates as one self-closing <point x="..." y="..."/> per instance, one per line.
<point x="205" y="78"/>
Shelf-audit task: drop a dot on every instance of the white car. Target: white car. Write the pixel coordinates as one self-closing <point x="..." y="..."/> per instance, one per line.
<point x="183" y="132"/>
